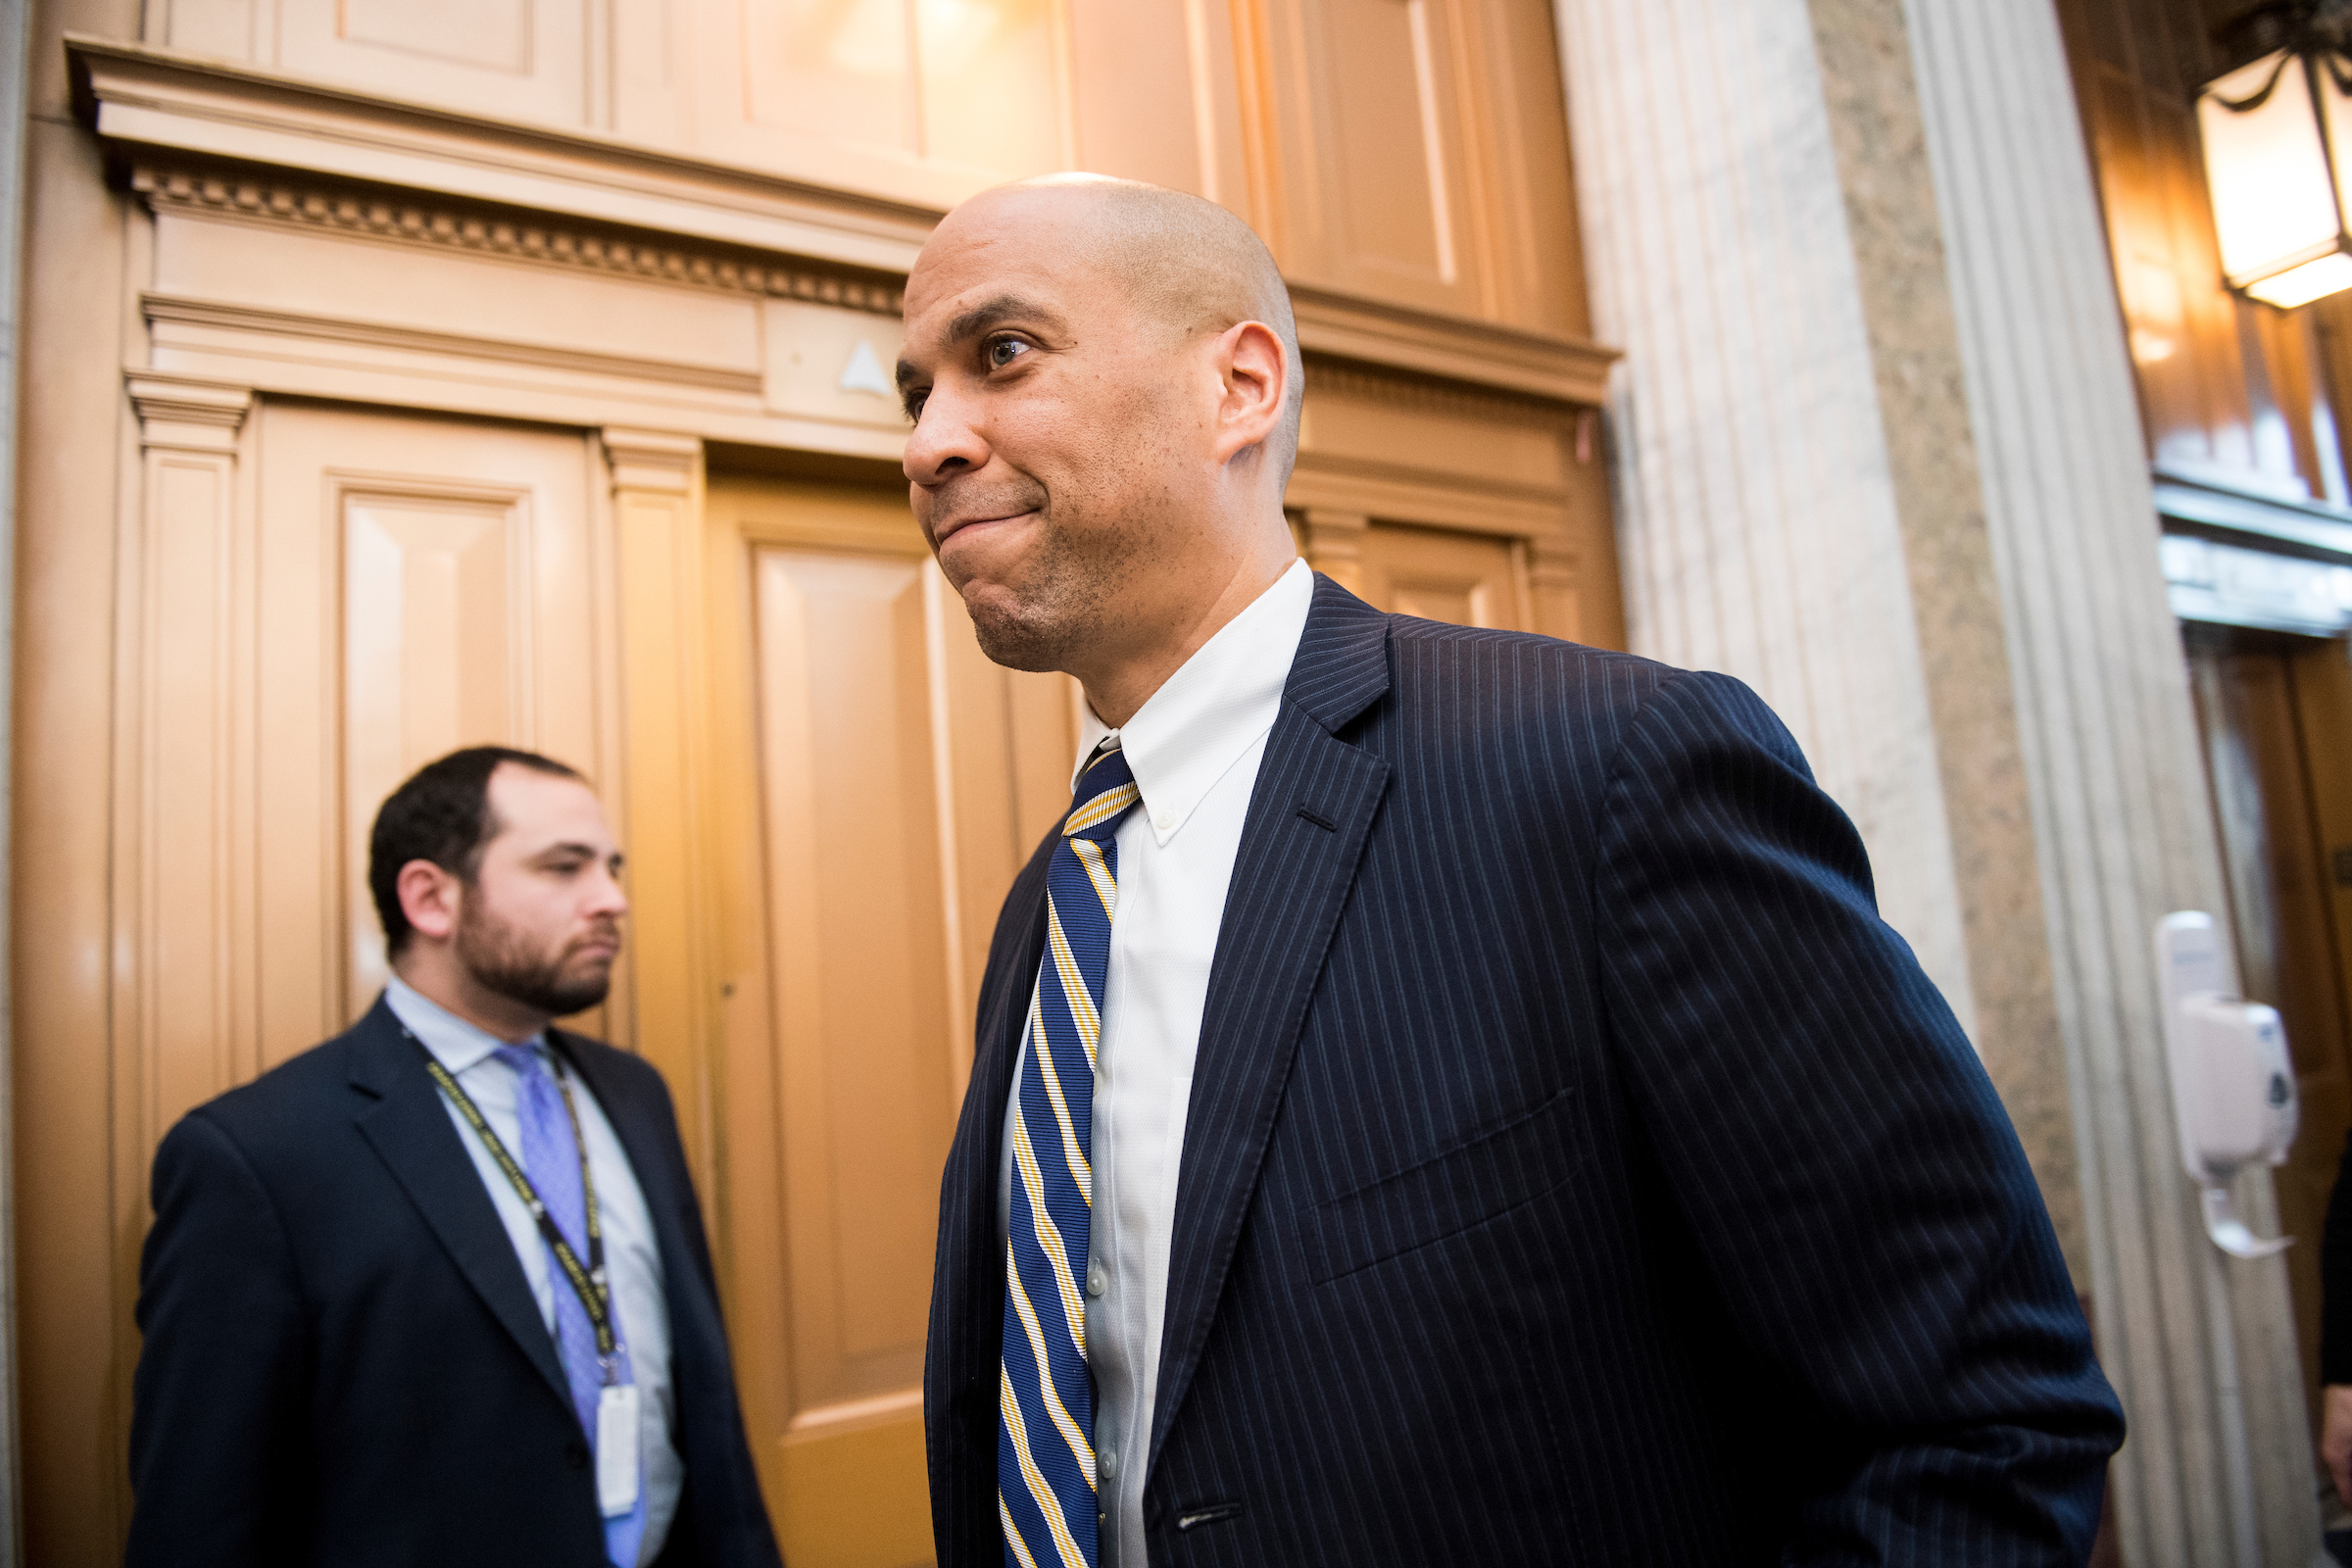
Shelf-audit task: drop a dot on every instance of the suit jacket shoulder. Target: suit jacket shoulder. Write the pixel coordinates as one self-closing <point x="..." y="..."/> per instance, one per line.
<point x="1526" y="729"/>
<point x="277" y="1116"/>
<point x="622" y="1077"/>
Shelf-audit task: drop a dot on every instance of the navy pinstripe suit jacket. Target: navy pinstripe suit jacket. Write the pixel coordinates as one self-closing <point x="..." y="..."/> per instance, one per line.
<point x="1578" y="1171"/>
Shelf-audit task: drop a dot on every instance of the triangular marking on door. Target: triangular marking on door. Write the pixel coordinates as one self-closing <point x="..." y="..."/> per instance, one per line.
<point x="864" y="374"/>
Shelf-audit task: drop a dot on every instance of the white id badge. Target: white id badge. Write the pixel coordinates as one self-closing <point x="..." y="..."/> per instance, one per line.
<point x="616" y="1448"/>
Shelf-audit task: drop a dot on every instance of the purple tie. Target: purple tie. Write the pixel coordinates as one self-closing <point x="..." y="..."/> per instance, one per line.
<point x="550" y="1159"/>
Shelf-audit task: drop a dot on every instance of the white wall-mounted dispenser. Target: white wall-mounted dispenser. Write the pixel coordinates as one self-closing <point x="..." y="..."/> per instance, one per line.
<point x="2233" y="1084"/>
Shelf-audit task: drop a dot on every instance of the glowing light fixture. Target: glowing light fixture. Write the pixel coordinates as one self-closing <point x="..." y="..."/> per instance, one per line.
<point x="2277" y="139"/>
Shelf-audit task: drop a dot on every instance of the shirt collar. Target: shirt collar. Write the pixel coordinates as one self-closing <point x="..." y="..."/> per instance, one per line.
<point x="456" y="1043"/>
<point x="1219" y="702"/>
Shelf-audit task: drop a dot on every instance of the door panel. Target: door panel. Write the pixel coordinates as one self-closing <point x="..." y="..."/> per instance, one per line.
<point x="1467" y="578"/>
<point x="426" y="585"/>
<point x="860" y="944"/>
<point x="902" y="781"/>
<point x="527" y="58"/>
<point x="1416" y="155"/>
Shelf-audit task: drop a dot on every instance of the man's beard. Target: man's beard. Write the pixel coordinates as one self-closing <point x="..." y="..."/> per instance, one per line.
<point x="500" y="961"/>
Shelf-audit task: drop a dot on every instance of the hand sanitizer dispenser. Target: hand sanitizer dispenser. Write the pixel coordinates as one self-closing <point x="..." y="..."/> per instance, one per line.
<point x="2233" y="1085"/>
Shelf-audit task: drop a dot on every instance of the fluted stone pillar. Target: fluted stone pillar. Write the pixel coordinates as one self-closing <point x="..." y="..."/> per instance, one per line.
<point x="1876" y="453"/>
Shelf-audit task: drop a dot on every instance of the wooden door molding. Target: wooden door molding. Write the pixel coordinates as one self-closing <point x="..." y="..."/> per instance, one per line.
<point x="184" y="986"/>
<point x="669" y="1014"/>
<point x="1379" y="448"/>
<point x="1333" y="541"/>
<point x="1480" y="354"/>
<point x="217" y="109"/>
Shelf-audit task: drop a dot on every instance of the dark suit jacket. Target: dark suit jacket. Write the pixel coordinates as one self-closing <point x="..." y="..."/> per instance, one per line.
<point x="2335" y="1276"/>
<point x="344" y="1365"/>
<point x="1578" y="1171"/>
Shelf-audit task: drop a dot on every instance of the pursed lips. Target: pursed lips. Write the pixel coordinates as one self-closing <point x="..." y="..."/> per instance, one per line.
<point x="603" y="945"/>
<point x="950" y="530"/>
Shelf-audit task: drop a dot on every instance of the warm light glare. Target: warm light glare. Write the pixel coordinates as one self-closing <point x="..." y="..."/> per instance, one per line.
<point x="2300" y="285"/>
<point x="2336" y="114"/>
<point x="870" y="37"/>
<point x="2273" y="204"/>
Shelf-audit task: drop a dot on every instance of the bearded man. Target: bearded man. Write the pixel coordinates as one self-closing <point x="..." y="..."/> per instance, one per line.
<point x="1442" y="1095"/>
<point x="437" y="1292"/>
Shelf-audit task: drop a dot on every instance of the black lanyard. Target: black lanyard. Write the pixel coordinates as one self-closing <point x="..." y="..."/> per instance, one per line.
<point x="587" y="1282"/>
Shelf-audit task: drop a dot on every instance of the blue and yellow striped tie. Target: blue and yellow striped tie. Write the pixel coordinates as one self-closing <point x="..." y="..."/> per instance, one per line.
<point x="1046" y="1395"/>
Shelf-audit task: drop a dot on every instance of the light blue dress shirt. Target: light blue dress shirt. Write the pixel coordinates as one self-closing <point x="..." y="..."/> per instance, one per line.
<point x="632" y="1254"/>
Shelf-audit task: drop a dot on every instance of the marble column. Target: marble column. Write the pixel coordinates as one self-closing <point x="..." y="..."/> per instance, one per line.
<point x="1876" y="453"/>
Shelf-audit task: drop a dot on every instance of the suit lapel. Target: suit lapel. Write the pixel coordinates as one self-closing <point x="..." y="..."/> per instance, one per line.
<point x="640" y="1132"/>
<point x="689" y="1288"/>
<point x="403" y="1119"/>
<point x="979" y="1280"/>
<point x="1310" y="815"/>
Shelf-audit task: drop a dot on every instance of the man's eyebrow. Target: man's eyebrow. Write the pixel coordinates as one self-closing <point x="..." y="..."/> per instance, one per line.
<point x="587" y="850"/>
<point x="980" y="317"/>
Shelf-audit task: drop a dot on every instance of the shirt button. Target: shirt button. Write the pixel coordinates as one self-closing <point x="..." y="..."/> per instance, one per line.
<point x="1164" y="820"/>
<point x="1096" y="1282"/>
<point x="1110" y="1465"/>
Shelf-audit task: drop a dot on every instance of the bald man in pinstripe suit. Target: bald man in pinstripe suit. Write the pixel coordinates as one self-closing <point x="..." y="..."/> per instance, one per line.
<point x="1442" y="1094"/>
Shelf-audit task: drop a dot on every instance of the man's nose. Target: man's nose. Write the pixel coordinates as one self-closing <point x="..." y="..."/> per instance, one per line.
<point x="946" y="440"/>
<point x="609" y="896"/>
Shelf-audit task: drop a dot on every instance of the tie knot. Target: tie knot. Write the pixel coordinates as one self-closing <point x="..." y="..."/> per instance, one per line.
<point x="1106" y="789"/>
<point x="524" y="1060"/>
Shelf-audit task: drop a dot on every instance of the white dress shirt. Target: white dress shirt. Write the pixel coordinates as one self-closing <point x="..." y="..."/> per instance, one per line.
<point x="1195" y="748"/>
<point x="632" y="1256"/>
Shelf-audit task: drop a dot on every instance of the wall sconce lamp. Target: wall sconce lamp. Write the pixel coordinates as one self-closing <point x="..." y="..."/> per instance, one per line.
<point x="2278" y="138"/>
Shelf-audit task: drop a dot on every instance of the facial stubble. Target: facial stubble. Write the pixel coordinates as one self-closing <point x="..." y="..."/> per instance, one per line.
<point x="1063" y="610"/>
<point x="1062" y="607"/>
<point x="500" y="961"/>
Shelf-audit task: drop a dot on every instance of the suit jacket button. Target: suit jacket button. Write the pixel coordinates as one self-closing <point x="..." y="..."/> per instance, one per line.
<point x="575" y="1454"/>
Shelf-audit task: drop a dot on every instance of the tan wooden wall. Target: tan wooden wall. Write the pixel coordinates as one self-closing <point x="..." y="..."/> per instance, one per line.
<point x="421" y="374"/>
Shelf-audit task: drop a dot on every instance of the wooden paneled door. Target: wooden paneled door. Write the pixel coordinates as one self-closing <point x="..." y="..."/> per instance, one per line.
<point x="1471" y="579"/>
<point x="893" y="781"/>
<point x="1451" y="574"/>
<point x="2275" y="718"/>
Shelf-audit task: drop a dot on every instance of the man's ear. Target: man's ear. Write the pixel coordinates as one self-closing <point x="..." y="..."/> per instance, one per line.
<point x="430" y="897"/>
<point x="1255" y="382"/>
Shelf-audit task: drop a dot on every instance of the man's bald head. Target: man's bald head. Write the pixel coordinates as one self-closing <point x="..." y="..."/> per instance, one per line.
<point x="1102" y="384"/>
<point x="1185" y="262"/>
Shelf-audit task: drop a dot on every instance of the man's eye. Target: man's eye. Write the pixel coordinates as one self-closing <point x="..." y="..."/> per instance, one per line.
<point x="914" y="406"/>
<point x="1003" y="351"/>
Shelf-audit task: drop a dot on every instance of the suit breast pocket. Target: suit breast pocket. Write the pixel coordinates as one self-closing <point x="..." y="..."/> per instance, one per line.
<point x="1448" y="1193"/>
